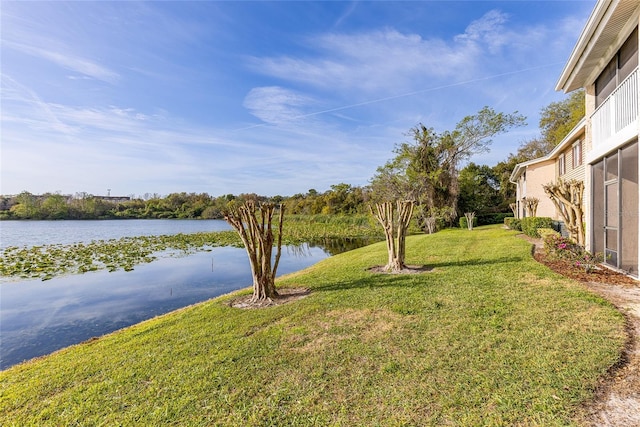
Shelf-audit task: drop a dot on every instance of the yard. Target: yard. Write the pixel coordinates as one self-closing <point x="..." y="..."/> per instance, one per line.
<point x="481" y="335"/>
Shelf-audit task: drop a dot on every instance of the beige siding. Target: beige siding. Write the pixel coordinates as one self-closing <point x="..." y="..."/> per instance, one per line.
<point x="538" y="175"/>
<point x="576" y="173"/>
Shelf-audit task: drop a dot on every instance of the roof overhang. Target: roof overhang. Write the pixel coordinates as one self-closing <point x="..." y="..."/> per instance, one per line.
<point x="566" y="141"/>
<point x="606" y="30"/>
<point x="521" y="167"/>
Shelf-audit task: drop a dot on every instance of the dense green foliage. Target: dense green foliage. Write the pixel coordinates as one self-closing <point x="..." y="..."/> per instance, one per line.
<point x="479" y="188"/>
<point x="513" y="223"/>
<point x="558" y="118"/>
<point x="426" y="170"/>
<point x="488" y="337"/>
<point x="530" y="225"/>
<point x="493" y="218"/>
<point x="87" y="206"/>
<point x="340" y="199"/>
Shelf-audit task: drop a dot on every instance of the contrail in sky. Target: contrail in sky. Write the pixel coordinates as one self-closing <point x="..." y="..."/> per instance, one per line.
<point x="388" y="98"/>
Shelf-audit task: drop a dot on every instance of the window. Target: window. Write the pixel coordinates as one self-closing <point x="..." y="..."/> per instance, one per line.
<point x="618" y="69"/>
<point x="628" y="56"/>
<point x="561" y="165"/>
<point x="576" y="152"/>
<point x="606" y="81"/>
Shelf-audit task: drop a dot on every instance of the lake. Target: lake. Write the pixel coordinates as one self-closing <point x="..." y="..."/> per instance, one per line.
<point x="38" y="317"/>
<point x="34" y="233"/>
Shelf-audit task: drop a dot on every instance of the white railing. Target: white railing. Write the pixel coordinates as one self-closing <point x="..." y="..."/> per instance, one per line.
<point x="618" y="112"/>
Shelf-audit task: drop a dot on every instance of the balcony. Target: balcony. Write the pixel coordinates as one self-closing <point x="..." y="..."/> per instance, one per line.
<point x="616" y="120"/>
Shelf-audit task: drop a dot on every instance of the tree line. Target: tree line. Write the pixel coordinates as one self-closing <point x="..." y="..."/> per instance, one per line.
<point x="340" y="199"/>
<point x="427" y="168"/>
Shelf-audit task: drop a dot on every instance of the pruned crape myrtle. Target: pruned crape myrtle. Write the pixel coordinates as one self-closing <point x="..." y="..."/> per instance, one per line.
<point x="392" y="225"/>
<point x="567" y="197"/>
<point x="254" y="225"/>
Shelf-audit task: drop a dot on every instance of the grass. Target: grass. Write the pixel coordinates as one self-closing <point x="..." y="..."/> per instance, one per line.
<point x="489" y="337"/>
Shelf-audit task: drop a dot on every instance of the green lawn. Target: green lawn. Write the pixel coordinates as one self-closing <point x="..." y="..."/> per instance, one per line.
<point x="489" y="337"/>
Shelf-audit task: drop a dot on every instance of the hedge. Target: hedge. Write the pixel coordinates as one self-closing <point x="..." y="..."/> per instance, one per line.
<point x="512" y="223"/>
<point x="530" y="225"/>
<point x="492" y="218"/>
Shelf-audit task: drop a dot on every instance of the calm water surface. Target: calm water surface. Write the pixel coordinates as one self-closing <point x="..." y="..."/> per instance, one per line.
<point x="37" y="318"/>
<point x="34" y="233"/>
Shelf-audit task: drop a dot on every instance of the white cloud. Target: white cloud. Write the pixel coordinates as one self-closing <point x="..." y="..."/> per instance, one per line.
<point x="387" y="61"/>
<point x="379" y="61"/>
<point x="488" y="30"/>
<point x="69" y="61"/>
<point x="275" y="105"/>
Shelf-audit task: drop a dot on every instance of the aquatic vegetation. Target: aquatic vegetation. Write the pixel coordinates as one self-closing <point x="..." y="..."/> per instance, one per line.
<point x="48" y="261"/>
<point x="304" y="228"/>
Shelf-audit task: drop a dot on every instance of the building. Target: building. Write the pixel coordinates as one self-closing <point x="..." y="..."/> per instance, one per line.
<point x="566" y="162"/>
<point x="604" y="63"/>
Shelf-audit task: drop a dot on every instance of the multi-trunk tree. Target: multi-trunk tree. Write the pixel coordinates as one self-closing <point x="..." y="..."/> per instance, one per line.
<point x="470" y="216"/>
<point x="394" y="218"/>
<point x="567" y="197"/>
<point x="254" y="225"/>
<point x="531" y="205"/>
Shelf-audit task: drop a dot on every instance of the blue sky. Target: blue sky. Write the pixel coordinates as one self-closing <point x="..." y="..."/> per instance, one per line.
<point x="265" y="97"/>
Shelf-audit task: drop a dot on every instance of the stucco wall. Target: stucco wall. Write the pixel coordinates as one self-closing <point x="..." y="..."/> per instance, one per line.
<point x="538" y="175"/>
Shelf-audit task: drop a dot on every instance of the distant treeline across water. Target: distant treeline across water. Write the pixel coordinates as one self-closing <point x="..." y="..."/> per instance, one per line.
<point x="341" y="199"/>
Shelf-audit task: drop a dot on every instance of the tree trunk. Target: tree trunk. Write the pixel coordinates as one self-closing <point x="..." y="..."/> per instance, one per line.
<point x="385" y="214"/>
<point x="514" y="209"/>
<point x="470" y="217"/>
<point x="567" y="197"/>
<point x="258" y="239"/>
<point x="531" y="203"/>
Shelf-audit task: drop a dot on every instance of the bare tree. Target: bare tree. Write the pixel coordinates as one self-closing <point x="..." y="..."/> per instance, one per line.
<point x="567" y="197"/>
<point x="531" y="204"/>
<point x="254" y="225"/>
<point x="514" y="209"/>
<point x="431" y="224"/>
<point x="385" y="214"/>
<point x="470" y="217"/>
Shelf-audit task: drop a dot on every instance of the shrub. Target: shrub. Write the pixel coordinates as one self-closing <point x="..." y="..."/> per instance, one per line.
<point x="544" y="232"/>
<point x="513" y="223"/>
<point x="558" y="247"/>
<point x="463" y="221"/>
<point x="492" y="218"/>
<point x="530" y="225"/>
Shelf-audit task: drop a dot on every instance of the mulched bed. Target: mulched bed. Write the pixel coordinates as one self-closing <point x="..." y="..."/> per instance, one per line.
<point x="568" y="269"/>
